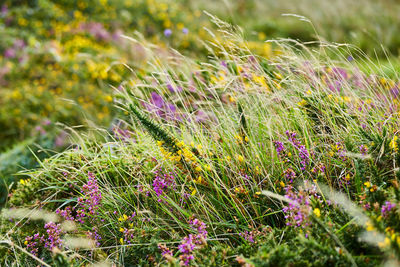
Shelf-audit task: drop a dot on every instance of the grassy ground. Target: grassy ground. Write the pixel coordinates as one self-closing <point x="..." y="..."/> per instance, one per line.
<point x="232" y="153"/>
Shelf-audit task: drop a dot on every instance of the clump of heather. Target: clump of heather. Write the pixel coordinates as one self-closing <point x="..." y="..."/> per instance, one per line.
<point x="88" y="203"/>
<point x="91" y="195"/>
<point x="163" y="182"/>
<point x="192" y="241"/>
<point x="32" y="243"/>
<point x="52" y="239"/>
<point x="186" y="248"/>
<point x="299" y="209"/>
<point x="53" y="231"/>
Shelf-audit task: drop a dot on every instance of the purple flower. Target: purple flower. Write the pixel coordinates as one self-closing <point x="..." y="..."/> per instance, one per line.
<point x="185" y="31"/>
<point x="92" y="194"/>
<point x="319" y="169"/>
<point x="120" y="133"/>
<point x="162" y="183"/>
<point x="386" y="208"/>
<point x="170" y="88"/>
<point x="248" y="236"/>
<point x="167" y="32"/>
<point x="66" y="213"/>
<point x="161" y="108"/>
<point x="335" y="86"/>
<point x="165" y="250"/>
<point x="19" y="44"/>
<point x="302" y="150"/>
<point x="297" y="212"/>
<point x="199" y="226"/>
<point x="157" y="100"/>
<point x="363" y="150"/>
<point x="97" y="30"/>
<point x="10" y="53"/>
<point x="54" y="235"/>
<point x="224" y="64"/>
<point x="190" y="242"/>
<point x="280" y="149"/>
<point x="90" y="201"/>
<point x="186" y="248"/>
<point x="32" y="243"/>
<point x="340" y="73"/>
<point x="60" y="139"/>
<point x="4" y="10"/>
<point x="341" y="151"/>
<point x="94" y="235"/>
<point x="289" y="175"/>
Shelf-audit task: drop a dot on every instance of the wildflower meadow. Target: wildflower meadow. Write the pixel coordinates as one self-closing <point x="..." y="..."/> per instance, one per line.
<point x="199" y="133"/>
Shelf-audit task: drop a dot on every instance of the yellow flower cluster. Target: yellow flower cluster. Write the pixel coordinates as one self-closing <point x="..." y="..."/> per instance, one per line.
<point x="183" y="152"/>
<point x="393" y="144"/>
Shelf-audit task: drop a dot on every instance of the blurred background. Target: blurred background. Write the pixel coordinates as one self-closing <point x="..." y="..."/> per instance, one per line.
<point x="61" y="60"/>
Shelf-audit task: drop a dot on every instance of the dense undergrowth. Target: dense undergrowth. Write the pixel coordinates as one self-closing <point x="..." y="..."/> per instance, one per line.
<point x="235" y="160"/>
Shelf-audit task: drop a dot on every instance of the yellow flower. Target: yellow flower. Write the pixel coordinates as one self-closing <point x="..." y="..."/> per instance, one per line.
<point x="108" y="98"/>
<point x="240" y="158"/>
<point x="121" y="240"/>
<point x="123" y="218"/>
<point x="393" y="237"/>
<point x="160" y="143"/>
<point x="194" y="192"/>
<point x="317" y="212"/>
<point x="302" y="103"/>
<point x="393" y="144"/>
<point x="180" y="144"/>
<point x="369" y="226"/>
<point x="385" y="243"/>
<point x="207" y="167"/>
<point x="282" y="184"/>
<point x="367" y="184"/>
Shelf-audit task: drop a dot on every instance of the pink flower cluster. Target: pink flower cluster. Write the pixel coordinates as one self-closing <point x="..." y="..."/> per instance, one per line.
<point x="191" y="242"/>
